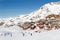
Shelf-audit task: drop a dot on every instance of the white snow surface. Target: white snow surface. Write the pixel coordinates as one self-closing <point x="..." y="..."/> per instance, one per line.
<point x="17" y="33"/>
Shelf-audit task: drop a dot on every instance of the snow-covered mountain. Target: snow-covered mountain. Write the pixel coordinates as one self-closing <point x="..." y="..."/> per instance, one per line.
<point x="50" y="8"/>
<point x="11" y="27"/>
<point x="47" y="9"/>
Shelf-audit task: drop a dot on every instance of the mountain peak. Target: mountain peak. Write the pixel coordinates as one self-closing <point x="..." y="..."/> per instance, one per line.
<point x="33" y="17"/>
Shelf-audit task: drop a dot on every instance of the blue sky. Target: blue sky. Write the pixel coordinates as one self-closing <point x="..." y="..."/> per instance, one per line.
<point x="11" y="8"/>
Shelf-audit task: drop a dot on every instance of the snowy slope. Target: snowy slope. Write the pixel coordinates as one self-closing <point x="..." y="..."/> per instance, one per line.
<point x="28" y="35"/>
<point x="9" y="29"/>
<point x="51" y="35"/>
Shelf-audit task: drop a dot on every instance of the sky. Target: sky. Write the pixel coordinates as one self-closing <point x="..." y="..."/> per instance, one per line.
<point x="12" y="8"/>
